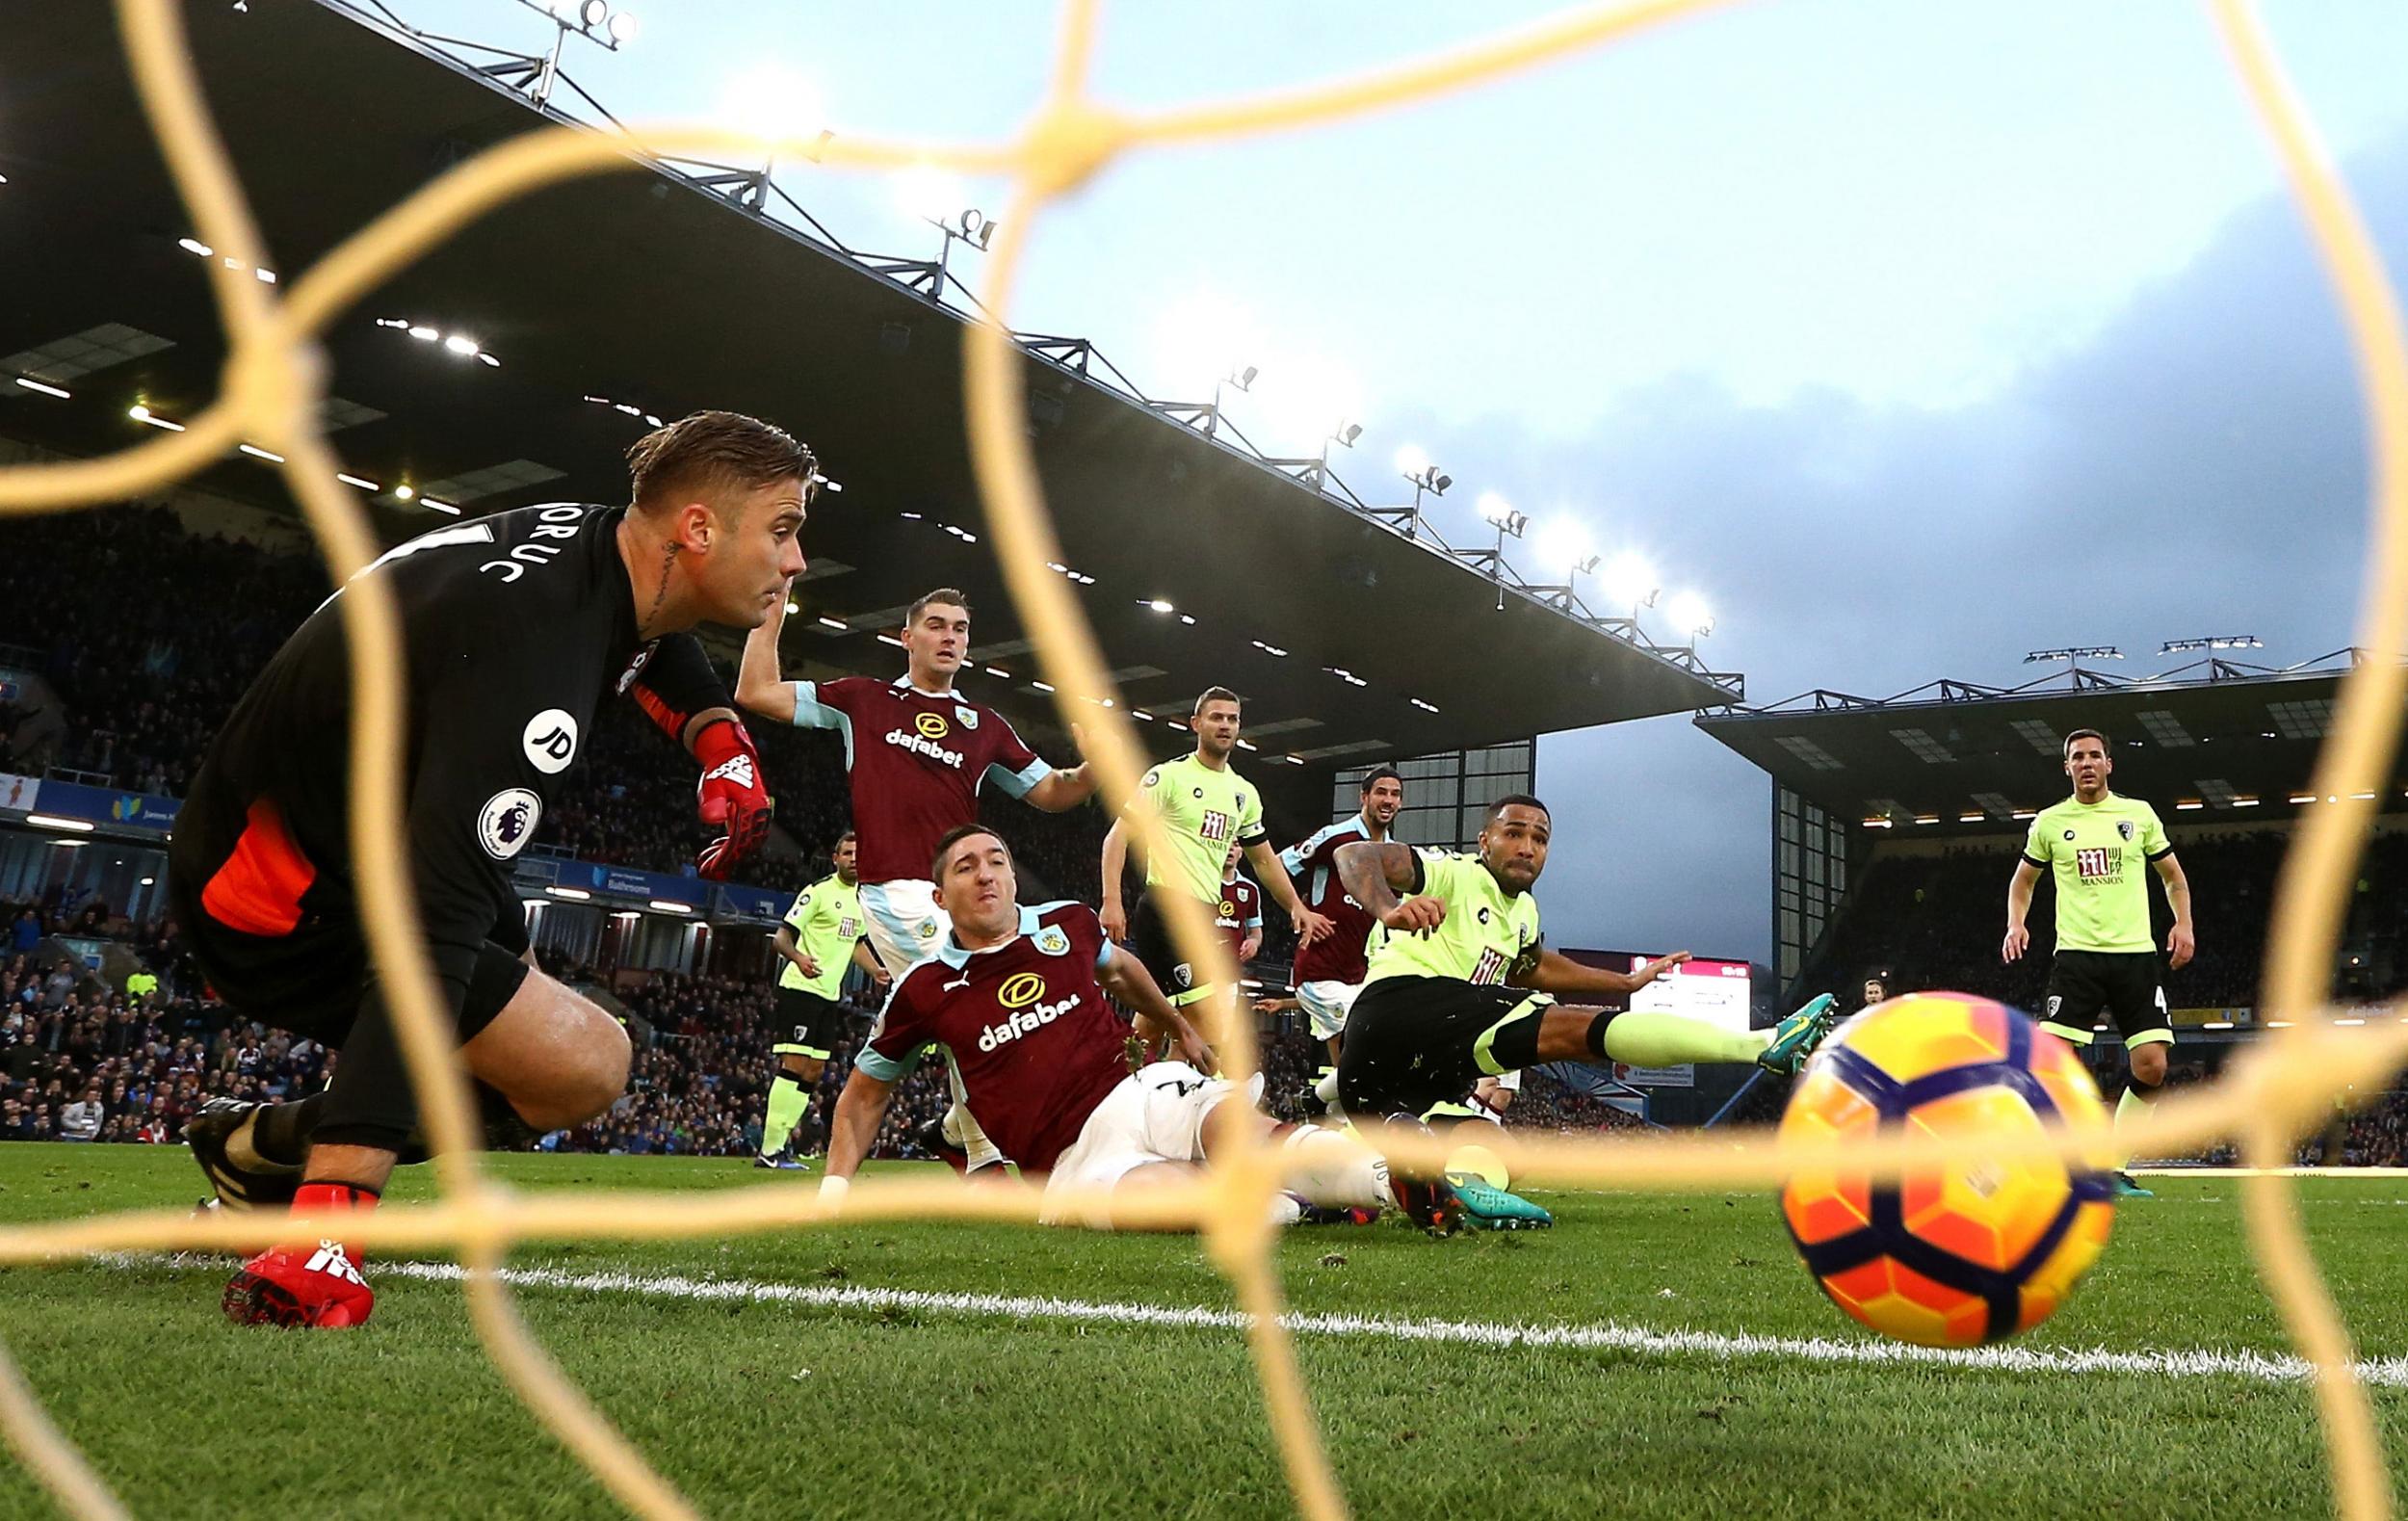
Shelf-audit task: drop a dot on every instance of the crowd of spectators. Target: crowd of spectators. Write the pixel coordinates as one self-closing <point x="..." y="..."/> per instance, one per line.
<point x="148" y="634"/>
<point x="82" y="1060"/>
<point x="701" y="1081"/>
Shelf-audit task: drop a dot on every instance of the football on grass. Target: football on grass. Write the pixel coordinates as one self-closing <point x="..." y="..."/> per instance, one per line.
<point x="1966" y="1252"/>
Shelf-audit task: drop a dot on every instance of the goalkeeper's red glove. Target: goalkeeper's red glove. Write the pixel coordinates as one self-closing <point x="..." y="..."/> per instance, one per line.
<point x="731" y="795"/>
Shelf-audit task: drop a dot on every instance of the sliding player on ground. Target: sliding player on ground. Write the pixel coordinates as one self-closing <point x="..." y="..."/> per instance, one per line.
<point x="917" y="753"/>
<point x="1017" y="997"/>
<point x="1461" y="986"/>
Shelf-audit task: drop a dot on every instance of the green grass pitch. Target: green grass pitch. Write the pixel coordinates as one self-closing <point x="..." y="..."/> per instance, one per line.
<point x="807" y="1405"/>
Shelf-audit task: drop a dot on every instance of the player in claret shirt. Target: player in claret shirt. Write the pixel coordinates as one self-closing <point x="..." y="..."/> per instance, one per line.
<point x="1017" y="997"/>
<point x="917" y="752"/>
<point x="512" y="627"/>
<point x="1330" y="972"/>
<point x="1238" y="915"/>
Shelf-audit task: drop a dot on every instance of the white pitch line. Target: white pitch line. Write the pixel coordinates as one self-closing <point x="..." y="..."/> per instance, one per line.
<point x="2258" y="1367"/>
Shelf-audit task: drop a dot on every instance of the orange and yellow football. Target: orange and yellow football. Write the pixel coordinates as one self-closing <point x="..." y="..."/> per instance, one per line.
<point x="1971" y="1252"/>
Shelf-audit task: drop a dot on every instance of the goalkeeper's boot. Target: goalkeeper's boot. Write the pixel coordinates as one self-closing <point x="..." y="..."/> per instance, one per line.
<point x="240" y="1179"/>
<point x="784" y="1162"/>
<point x="1488" y="1207"/>
<point x="1796" y="1038"/>
<point x="2121" y="1186"/>
<point x="318" y="1285"/>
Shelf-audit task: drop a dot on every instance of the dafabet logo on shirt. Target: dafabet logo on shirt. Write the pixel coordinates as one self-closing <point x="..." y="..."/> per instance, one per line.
<point x="932" y="725"/>
<point x="1020" y="990"/>
<point x="1022" y="994"/>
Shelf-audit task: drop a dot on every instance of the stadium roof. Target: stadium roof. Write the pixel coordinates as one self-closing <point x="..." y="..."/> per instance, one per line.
<point x="2215" y="739"/>
<point x="656" y="293"/>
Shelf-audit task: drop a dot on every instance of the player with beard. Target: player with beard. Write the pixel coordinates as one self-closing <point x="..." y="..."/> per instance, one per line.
<point x="1462" y="987"/>
<point x="821" y="935"/>
<point x="1330" y="972"/>
<point x="1203" y="806"/>
<point x="2096" y="841"/>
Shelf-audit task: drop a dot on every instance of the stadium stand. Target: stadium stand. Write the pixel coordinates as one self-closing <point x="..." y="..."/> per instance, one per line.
<point x="1934" y="920"/>
<point x="149" y="634"/>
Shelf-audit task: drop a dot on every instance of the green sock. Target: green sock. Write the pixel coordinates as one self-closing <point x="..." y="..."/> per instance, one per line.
<point x="2130" y="1111"/>
<point x="1651" y="1038"/>
<point x="788" y="1101"/>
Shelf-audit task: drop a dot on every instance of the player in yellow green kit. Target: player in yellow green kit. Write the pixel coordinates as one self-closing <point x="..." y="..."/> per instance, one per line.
<point x="1203" y="805"/>
<point x="2094" y="843"/>
<point x="823" y="933"/>
<point x="1461" y="986"/>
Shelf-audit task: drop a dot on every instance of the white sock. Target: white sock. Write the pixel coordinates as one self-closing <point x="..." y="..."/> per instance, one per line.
<point x="1325" y="1166"/>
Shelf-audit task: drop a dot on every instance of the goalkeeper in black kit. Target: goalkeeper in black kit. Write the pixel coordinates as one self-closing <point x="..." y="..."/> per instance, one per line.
<point x="514" y="628"/>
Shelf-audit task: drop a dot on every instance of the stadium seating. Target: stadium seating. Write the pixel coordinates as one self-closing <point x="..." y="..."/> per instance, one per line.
<point x="1936" y="921"/>
<point x="151" y="634"/>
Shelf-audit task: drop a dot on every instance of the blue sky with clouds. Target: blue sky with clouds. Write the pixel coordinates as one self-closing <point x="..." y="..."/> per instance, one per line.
<point x="1849" y="316"/>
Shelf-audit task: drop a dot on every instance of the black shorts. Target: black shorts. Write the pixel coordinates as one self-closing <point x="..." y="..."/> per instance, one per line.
<point x="2126" y="984"/>
<point x="1415" y="1041"/>
<point x="812" y="1024"/>
<point x="1149" y="937"/>
<point x="312" y="982"/>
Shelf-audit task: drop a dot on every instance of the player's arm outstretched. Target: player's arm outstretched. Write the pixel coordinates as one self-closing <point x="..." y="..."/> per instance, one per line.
<point x="887" y="1055"/>
<point x="1375" y="872"/>
<point x="760" y="687"/>
<point x="683" y="696"/>
<point x="1126" y="979"/>
<point x="1553" y="972"/>
<point x="860" y="1109"/>
<point x="1060" y="791"/>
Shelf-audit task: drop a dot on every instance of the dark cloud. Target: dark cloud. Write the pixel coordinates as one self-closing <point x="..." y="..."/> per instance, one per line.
<point x="2196" y="466"/>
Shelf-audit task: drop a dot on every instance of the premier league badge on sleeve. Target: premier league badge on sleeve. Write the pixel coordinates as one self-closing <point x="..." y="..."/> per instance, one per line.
<point x="1051" y="941"/>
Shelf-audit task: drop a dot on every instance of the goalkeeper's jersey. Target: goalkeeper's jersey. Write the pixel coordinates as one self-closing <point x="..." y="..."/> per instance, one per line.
<point x="513" y="628"/>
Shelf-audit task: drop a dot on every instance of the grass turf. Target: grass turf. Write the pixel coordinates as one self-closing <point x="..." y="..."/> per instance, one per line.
<point x="781" y="1409"/>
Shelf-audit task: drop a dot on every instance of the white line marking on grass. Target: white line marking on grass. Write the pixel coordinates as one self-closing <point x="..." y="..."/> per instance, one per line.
<point x="2258" y="1367"/>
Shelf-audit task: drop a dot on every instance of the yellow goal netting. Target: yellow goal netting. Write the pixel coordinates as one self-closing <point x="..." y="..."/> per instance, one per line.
<point x="273" y="383"/>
